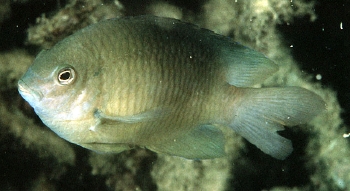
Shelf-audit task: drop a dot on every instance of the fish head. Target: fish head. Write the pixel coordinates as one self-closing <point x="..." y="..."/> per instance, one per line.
<point x="61" y="91"/>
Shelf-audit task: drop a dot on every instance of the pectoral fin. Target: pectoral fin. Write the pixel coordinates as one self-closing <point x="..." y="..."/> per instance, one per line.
<point x="136" y="118"/>
<point x="203" y="142"/>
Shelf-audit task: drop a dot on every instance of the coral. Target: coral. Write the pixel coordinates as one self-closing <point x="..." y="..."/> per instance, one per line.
<point x="321" y="153"/>
<point x="164" y="9"/>
<point x="75" y="15"/>
<point x="126" y="171"/>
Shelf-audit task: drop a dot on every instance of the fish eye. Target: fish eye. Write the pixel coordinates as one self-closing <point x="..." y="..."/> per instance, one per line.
<point x="66" y="76"/>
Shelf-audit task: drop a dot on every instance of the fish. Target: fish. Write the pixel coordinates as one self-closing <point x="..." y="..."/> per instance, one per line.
<point x="164" y="85"/>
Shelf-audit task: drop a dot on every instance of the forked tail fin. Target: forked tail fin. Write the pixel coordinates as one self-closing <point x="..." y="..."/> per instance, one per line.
<point x="261" y="112"/>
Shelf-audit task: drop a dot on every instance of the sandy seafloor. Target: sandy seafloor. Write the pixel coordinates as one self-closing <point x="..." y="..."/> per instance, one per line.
<point x="309" y="40"/>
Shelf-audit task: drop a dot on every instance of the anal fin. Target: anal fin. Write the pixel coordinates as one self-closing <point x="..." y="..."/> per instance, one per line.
<point x="203" y="142"/>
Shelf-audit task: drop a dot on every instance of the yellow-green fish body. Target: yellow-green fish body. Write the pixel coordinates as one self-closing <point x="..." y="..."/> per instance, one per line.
<point x="164" y="85"/>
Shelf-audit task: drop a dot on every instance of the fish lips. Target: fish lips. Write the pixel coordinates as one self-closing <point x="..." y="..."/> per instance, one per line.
<point x="29" y="94"/>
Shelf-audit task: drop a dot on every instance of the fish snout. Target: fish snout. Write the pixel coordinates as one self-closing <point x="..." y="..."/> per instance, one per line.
<point x="29" y="94"/>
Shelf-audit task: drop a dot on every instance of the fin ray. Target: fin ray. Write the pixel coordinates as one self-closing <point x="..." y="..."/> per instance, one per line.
<point x="264" y="111"/>
<point x="203" y="142"/>
<point x="246" y="67"/>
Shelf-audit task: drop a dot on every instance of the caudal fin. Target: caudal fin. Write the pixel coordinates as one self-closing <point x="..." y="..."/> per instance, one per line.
<point x="261" y="112"/>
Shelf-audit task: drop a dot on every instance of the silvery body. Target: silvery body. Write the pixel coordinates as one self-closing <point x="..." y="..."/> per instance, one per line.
<point x="161" y="84"/>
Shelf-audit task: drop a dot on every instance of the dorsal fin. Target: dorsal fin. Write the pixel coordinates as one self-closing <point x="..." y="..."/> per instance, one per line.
<point x="246" y="67"/>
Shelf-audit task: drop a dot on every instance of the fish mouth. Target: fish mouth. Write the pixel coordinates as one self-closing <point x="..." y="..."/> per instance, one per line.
<point x="28" y="93"/>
